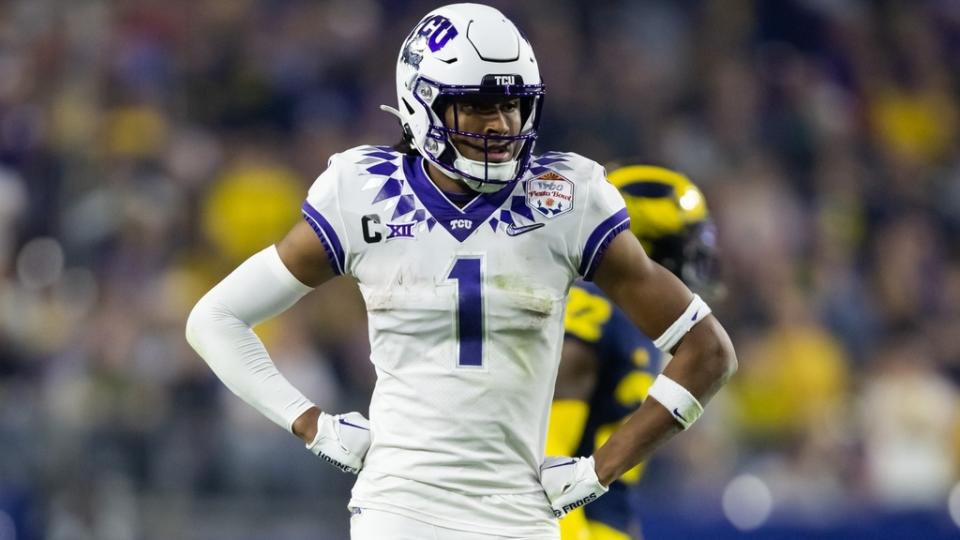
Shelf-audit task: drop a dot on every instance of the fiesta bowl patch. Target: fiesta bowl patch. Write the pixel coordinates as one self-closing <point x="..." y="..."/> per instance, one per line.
<point x="550" y="194"/>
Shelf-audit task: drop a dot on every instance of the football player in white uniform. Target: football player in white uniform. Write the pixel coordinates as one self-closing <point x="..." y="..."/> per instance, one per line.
<point x="464" y="244"/>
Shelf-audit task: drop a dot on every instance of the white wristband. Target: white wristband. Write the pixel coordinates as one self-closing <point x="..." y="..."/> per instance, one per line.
<point x="695" y="312"/>
<point x="678" y="400"/>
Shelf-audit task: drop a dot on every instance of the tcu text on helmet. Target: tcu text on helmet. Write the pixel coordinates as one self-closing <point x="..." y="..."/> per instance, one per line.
<point x="438" y="30"/>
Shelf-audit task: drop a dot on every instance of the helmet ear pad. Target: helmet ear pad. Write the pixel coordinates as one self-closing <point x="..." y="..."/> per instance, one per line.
<point x="439" y="107"/>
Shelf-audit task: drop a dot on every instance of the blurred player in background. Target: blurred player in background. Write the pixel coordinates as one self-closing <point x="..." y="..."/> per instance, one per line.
<point x="464" y="245"/>
<point x="607" y="364"/>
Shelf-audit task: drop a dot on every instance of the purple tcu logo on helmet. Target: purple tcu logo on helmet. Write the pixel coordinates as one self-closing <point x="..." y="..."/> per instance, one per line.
<point x="434" y="33"/>
<point x="438" y="30"/>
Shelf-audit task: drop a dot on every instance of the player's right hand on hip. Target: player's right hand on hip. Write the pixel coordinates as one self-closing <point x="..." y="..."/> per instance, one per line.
<point x="342" y="440"/>
<point x="570" y="483"/>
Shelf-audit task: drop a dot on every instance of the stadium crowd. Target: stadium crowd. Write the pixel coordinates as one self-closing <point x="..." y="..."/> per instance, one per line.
<point x="148" y="146"/>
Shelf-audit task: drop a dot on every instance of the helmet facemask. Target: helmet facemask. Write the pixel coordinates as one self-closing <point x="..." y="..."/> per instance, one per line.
<point x="440" y="144"/>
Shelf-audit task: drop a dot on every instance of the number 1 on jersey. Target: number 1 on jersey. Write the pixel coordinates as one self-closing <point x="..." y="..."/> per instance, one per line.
<point x="468" y="273"/>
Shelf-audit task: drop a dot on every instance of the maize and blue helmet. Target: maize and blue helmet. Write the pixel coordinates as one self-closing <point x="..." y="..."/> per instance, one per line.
<point x="458" y="52"/>
<point x="669" y="214"/>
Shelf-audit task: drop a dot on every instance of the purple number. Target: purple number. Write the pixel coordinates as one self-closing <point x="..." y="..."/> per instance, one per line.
<point x="468" y="274"/>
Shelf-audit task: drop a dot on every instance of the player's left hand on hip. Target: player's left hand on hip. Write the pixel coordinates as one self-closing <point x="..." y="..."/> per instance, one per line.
<point x="570" y="483"/>
<point x="342" y="440"/>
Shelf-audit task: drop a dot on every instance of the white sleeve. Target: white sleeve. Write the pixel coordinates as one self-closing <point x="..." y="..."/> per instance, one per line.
<point x="220" y="330"/>
<point x="604" y="218"/>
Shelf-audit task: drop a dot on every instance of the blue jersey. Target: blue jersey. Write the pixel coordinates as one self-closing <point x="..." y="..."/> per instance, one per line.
<point x="628" y="363"/>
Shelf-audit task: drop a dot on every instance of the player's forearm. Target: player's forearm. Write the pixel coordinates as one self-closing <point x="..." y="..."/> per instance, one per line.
<point x="649" y="427"/>
<point x="703" y="363"/>
<point x="220" y="330"/>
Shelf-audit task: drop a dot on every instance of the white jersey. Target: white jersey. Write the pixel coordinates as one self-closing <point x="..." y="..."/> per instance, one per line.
<point x="465" y="314"/>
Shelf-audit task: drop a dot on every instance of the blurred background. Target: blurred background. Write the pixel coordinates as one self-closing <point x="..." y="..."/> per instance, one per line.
<point x="149" y="146"/>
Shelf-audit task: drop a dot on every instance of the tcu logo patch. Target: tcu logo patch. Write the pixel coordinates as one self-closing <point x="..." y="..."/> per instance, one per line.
<point x="461" y="224"/>
<point x="550" y="194"/>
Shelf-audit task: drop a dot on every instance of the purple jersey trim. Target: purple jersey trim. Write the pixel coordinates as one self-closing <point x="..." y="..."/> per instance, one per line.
<point x="447" y="214"/>
<point x="600" y="239"/>
<point x="328" y="237"/>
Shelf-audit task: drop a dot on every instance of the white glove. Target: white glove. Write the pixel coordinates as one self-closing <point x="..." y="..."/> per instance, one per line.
<point x="342" y="440"/>
<point x="570" y="483"/>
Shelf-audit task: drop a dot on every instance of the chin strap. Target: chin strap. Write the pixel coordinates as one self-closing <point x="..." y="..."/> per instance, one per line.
<point x="476" y="168"/>
<point x="479" y="169"/>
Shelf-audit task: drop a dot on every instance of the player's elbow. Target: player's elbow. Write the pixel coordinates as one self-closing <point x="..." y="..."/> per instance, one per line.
<point x="711" y="354"/>
<point x="717" y="354"/>
<point x="201" y="323"/>
<point x="196" y="322"/>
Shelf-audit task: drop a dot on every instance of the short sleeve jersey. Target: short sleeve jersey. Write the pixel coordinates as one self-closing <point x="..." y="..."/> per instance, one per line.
<point x="465" y="309"/>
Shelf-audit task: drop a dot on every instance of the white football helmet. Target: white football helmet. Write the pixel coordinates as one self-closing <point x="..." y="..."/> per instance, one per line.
<point x="467" y="50"/>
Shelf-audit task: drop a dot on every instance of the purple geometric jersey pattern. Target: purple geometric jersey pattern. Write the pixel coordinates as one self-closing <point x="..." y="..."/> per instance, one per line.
<point x="391" y="189"/>
<point x="551" y="161"/>
<point x="460" y="222"/>
<point x="399" y="186"/>
<point x="519" y="214"/>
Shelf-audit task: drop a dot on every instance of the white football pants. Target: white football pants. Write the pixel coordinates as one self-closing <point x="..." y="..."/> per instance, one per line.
<point x="367" y="524"/>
